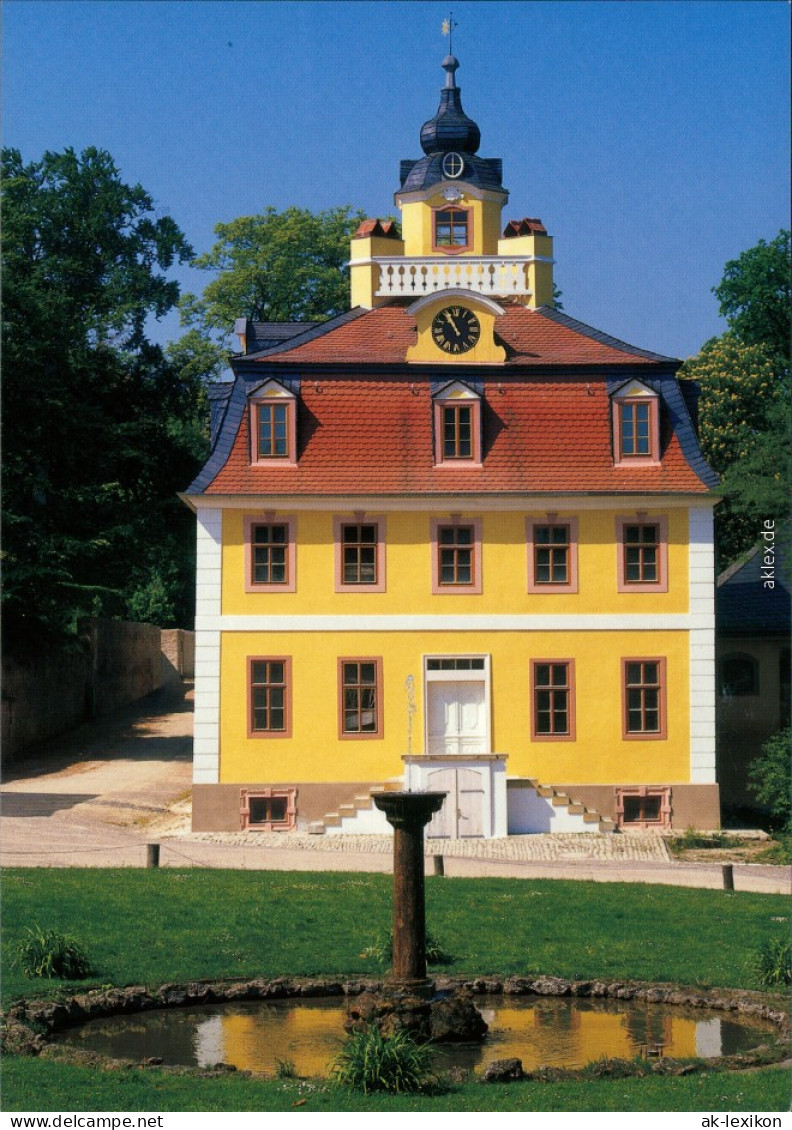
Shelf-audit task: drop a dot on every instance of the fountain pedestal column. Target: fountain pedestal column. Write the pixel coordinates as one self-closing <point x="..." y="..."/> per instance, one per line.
<point x="408" y="814"/>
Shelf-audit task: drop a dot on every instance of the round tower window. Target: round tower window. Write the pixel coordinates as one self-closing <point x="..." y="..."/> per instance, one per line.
<point x="453" y="165"/>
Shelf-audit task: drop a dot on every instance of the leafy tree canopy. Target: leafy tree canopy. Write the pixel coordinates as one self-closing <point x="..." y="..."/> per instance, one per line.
<point x="96" y="441"/>
<point x="754" y="296"/>
<point x="278" y="267"/>
<point x="745" y="395"/>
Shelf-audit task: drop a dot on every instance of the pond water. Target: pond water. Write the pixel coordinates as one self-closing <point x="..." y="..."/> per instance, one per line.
<point x="552" y="1031"/>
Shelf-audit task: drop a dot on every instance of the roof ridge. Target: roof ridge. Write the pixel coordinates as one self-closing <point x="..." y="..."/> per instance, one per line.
<point x="562" y="319"/>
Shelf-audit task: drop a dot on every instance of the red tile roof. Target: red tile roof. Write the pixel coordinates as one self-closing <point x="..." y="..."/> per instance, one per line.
<point x="531" y="337"/>
<point x="362" y="435"/>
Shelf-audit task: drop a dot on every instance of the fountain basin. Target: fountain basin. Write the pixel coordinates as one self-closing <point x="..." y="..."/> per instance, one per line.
<point x="26" y="1021"/>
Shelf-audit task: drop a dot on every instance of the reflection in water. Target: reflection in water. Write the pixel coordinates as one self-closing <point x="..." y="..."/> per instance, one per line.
<point x="558" y="1032"/>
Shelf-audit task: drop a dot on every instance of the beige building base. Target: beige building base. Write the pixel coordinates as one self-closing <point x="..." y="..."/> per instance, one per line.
<point x="692" y="806"/>
<point x="217" y="808"/>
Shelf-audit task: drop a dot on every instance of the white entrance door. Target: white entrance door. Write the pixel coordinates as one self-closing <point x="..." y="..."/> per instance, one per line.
<point x="457" y="717"/>
<point x="462" y="811"/>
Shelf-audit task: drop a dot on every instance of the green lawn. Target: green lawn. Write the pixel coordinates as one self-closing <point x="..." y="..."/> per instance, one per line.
<point x="146" y="926"/>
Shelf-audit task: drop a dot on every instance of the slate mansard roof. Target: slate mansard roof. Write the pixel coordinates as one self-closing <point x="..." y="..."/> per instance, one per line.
<point x="365" y="420"/>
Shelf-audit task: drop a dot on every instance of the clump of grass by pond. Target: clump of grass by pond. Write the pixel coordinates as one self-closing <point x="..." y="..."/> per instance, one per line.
<point x="51" y="954"/>
<point x="773" y="964"/>
<point x="369" y="1062"/>
<point x="381" y="949"/>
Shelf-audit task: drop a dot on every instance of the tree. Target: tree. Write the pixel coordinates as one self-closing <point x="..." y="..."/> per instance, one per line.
<point x="744" y="408"/>
<point x="95" y="444"/>
<point x="754" y="297"/>
<point x="278" y="266"/>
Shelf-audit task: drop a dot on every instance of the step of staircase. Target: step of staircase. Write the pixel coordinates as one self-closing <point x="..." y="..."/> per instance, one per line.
<point x="592" y="820"/>
<point x="352" y="809"/>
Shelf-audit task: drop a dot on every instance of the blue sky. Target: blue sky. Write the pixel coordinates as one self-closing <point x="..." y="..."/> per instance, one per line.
<point x="650" y="137"/>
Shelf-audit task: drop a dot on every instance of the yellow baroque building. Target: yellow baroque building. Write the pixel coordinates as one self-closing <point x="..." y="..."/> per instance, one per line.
<point x="453" y="539"/>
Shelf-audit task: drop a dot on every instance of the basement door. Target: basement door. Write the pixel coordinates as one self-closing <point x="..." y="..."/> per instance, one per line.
<point x="462" y="811"/>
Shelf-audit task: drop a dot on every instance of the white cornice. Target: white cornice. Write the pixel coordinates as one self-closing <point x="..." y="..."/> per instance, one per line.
<point x="464" y="502"/>
<point x="572" y="622"/>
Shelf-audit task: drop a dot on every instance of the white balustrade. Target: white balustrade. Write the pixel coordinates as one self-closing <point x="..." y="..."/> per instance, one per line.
<point x="414" y="277"/>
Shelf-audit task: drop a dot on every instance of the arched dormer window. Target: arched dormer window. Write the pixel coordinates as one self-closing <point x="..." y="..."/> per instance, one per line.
<point x="273" y="425"/>
<point x="739" y="676"/>
<point x="457" y="426"/>
<point x="636" y="425"/>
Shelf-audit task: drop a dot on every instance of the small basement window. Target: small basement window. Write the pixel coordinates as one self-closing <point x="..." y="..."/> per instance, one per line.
<point x="268" y="810"/>
<point x="643" y="807"/>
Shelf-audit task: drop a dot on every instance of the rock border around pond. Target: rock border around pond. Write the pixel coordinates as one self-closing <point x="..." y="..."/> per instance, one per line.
<point x="29" y="1025"/>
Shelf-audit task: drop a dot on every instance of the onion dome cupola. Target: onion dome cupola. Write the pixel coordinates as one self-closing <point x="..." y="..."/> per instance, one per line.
<point x="450" y="142"/>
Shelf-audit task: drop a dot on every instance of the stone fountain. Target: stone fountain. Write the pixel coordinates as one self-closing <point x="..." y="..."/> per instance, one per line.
<point x="409" y="999"/>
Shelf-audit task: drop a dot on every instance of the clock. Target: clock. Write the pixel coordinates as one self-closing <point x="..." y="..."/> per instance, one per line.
<point x="455" y="329"/>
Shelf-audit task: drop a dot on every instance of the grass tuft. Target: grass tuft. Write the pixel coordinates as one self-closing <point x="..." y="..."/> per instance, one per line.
<point x="370" y="1062"/>
<point x="773" y="963"/>
<point x="48" y="953"/>
<point x="381" y="949"/>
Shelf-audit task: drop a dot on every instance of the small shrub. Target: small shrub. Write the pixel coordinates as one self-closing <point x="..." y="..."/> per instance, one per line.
<point x="773" y="963"/>
<point x="48" y="953"/>
<point x="285" y="1069"/>
<point x="370" y="1062"/>
<point x="381" y="949"/>
<point x="770" y="779"/>
<point x="691" y="838"/>
<point x="779" y="852"/>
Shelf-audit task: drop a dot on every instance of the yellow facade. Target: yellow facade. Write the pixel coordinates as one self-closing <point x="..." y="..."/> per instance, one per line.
<point x="598" y="755"/>
<point x="485" y="219"/>
<point x="408" y="564"/>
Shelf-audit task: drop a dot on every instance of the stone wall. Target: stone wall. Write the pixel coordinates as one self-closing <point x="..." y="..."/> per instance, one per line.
<point x="178" y="654"/>
<point x="115" y="663"/>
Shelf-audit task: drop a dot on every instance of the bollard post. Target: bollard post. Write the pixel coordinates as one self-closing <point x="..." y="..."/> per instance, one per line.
<point x="728" y="877"/>
<point x="152" y="855"/>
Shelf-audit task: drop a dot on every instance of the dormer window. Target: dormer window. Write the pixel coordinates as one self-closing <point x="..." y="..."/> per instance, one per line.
<point x="452" y="229"/>
<point x="273" y="425"/>
<point x="457" y="423"/>
<point x="636" y="425"/>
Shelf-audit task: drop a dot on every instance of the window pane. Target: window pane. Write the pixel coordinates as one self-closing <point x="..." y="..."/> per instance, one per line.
<point x="633" y="673"/>
<point x="542" y="674"/>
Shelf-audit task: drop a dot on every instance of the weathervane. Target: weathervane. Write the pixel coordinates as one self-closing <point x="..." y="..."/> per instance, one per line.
<point x="448" y="29"/>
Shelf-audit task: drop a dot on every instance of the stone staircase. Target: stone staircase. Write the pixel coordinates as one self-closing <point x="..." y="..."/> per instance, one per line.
<point x="359" y="816"/>
<point x="566" y="814"/>
<point x="548" y="809"/>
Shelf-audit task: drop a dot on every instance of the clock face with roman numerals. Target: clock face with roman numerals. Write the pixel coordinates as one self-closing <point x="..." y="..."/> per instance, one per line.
<point x="455" y="329"/>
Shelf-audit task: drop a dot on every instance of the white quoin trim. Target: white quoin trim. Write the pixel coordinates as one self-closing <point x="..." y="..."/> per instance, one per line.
<point x="702" y="647"/>
<point x="206" y="723"/>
